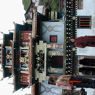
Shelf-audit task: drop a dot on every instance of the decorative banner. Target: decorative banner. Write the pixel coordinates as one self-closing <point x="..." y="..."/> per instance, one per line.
<point x="40" y="61"/>
<point x="24" y="66"/>
<point x="8" y="56"/>
<point x="21" y="55"/>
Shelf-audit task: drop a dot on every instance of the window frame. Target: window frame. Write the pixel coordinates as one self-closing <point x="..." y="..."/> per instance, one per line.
<point x="87" y="21"/>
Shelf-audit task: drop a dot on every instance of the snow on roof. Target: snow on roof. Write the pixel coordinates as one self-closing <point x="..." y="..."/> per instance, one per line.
<point x="90" y="91"/>
<point x="7" y="88"/>
<point x="25" y="91"/>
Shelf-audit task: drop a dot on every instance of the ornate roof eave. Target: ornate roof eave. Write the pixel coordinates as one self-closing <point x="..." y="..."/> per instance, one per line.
<point x="28" y="14"/>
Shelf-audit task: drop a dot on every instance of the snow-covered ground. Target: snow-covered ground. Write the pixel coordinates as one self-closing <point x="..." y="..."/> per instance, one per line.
<point x="7" y="87"/>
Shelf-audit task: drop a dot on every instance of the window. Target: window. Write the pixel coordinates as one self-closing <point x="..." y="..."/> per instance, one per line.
<point x="80" y="4"/>
<point x="84" y="22"/>
<point x="53" y="38"/>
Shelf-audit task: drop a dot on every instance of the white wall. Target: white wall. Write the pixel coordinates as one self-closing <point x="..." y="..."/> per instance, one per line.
<point x="88" y="10"/>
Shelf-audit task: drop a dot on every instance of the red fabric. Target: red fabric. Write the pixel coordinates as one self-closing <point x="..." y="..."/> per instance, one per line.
<point x="85" y="41"/>
<point x="74" y="81"/>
